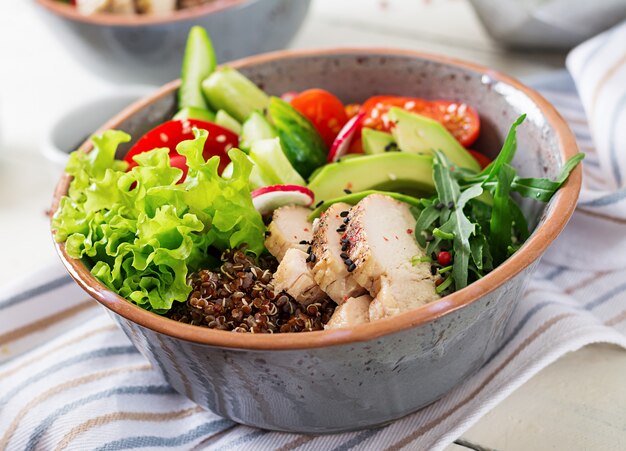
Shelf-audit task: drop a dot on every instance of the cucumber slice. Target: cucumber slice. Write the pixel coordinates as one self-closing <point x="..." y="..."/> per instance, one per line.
<point x="257" y="178"/>
<point x="198" y="63"/>
<point x="268" y="154"/>
<point x="192" y="112"/>
<point x="227" y="121"/>
<point x="302" y="144"/>
<point x="228" y="90"/>
<point x="377" y="142"/>
<point x="254" y="129"/>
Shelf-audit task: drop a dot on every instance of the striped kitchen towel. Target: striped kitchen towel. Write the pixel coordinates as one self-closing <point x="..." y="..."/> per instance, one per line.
<point x="69" y="379"/>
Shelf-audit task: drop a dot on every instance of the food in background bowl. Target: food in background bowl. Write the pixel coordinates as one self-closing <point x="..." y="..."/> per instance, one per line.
<point x="320" y="220"/>
<point x="131" y="7"/>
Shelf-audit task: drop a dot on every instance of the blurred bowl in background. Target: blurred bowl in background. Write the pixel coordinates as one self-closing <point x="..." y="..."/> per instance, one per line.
<point x="149" y="48"/>
<point x="547" y="24"/>
<point x="73" y="126"/>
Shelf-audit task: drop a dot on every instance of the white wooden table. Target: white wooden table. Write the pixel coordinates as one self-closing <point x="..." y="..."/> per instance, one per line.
<point x="576" y="403"/>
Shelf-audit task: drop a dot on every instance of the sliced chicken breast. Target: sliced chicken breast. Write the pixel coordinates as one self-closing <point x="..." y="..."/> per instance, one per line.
<point x="289" y="228"/>
<point x="381" y="246"/>
<point x="352" y="312"/>
<point x="156" y="6"/>
<point x="295" y="278"/>
<point x="330" y="271"/>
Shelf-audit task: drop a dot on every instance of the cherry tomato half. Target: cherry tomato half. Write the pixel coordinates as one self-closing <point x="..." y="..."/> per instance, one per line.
<point x="482" y="159"/>
<point x="324" y="110"/>
<point x="169" y="134"/>
<point x="460" y="120"/>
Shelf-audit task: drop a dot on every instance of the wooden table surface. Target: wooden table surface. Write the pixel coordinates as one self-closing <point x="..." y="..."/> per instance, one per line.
<point x="579" y="402"/>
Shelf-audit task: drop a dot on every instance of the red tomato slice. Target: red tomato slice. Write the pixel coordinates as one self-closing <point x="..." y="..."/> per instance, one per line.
<point x="324" y="110"/>
<point x="352" y="109"/>
<point x="356" y="146"/>
<point x="169" y="134"/>
<point x="482" y="159"/>
<point x="460" y="120"/>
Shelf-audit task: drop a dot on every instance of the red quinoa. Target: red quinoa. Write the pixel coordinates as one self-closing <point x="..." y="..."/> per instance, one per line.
<point x="239" y="297"/>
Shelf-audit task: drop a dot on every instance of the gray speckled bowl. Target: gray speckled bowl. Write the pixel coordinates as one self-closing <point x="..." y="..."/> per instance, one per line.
<point x="344" y="379"/>
<point x="148" y="49"/>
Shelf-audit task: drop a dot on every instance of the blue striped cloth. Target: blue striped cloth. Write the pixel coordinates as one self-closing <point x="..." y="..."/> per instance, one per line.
<point x="69" y="379"/>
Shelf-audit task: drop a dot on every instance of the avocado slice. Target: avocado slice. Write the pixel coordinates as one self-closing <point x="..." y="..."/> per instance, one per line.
<point x="223" y="119"/>
<point x="377" y="142"/>
<point x="401" y="172"/>
<point x="198" y="63"/>
<point x="192" y="112"/>
<point x="418" y="134"/>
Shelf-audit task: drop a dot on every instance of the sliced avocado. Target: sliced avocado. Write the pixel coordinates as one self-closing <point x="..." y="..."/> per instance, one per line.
<point x="223" y="119"/>
<point x="227" y="89"/>
<point x="255" y="128"/>
<point x="392" y="171"/>
<point x="419" y="134"/>
<point x="198" y="63"/>
<point x="192" y="112"/>
<point x="377" y="142"/>
<point x="269" y="155"/>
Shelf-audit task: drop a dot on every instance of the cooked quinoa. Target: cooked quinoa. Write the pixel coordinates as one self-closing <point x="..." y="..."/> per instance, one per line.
<point x="239" y="297"/>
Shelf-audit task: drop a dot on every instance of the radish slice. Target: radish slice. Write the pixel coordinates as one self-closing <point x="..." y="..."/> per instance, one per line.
<point x="289" y="96"/>
<point x="342" y="142"/>
<point x="269" y="198"/>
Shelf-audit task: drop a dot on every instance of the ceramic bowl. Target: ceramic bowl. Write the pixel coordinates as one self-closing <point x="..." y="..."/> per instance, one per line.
<point x="344" y="379"/>
<point x="149" y="49"/>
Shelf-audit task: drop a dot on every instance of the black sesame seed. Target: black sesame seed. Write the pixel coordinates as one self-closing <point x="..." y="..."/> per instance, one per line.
<point x="348" y="262"/>
<point x="312" y="257"/>
<point x="391" y="147"/>
<point x="267" y="233"/>
<point x="352" y="267"/>
<point x="343" y="255"/>
<point x="450" y="205"/>
<point x="347" y="191"/>
<point x="344" y="247"/>
<point x="433" y="270"/>
<point x="319" y="204"/>
<point x="346" y="220"/>
<point x="439" y="206"/>
<point x="434" y="256"/>
<point x="341" y="229"/>
<point x="304" y="242"/>
<point x="343" y="214"/>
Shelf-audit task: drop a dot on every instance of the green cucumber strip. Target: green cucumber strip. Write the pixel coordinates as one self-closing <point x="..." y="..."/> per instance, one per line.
<point x="227" y="89"/>
<point x="192" y="112"/>
<point x="198" y="63"/>
<point x="222" y="118"/>
<point x="303" y="145"/>
<point x="255" y="128"/>
<point x="268" y="154"/>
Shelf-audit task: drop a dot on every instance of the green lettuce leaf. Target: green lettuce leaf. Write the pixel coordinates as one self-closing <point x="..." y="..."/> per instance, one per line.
<point x="140" y="232"/>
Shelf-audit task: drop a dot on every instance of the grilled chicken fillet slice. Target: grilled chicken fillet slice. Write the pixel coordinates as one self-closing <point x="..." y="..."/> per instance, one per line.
<point x="330" y="271"/>
<point x="295" y="278"/>
<point x="382" y="245"/>
<point x="290" y="226"/>
<point x="352" y="312"/>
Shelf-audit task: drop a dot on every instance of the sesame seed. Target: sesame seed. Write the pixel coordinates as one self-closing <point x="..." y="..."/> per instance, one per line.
<point x="439" y="206"/>
<point x="304" y="242"/>
<point x="352" y="267"/>
<point x="450" y="205"/>
<point x="267" y="233"/>
<point x="347" y="191"/>
<point x="344" y="255"/>
<point x="346" y="220"/>
<point x="343" y="214"/>
<point x="348" y="262"/>
<point x="319" y="204"/>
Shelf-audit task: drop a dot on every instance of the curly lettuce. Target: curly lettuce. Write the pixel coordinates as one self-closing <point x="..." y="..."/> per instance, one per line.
<point x="141" y="232"/>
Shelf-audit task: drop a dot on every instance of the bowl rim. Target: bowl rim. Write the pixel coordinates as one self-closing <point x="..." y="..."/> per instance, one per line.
<point x="68" y="11"/>
<point x="557" y="217"/>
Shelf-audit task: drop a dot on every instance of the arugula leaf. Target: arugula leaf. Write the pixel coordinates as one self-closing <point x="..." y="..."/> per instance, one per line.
<point x="501" y="218"/>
